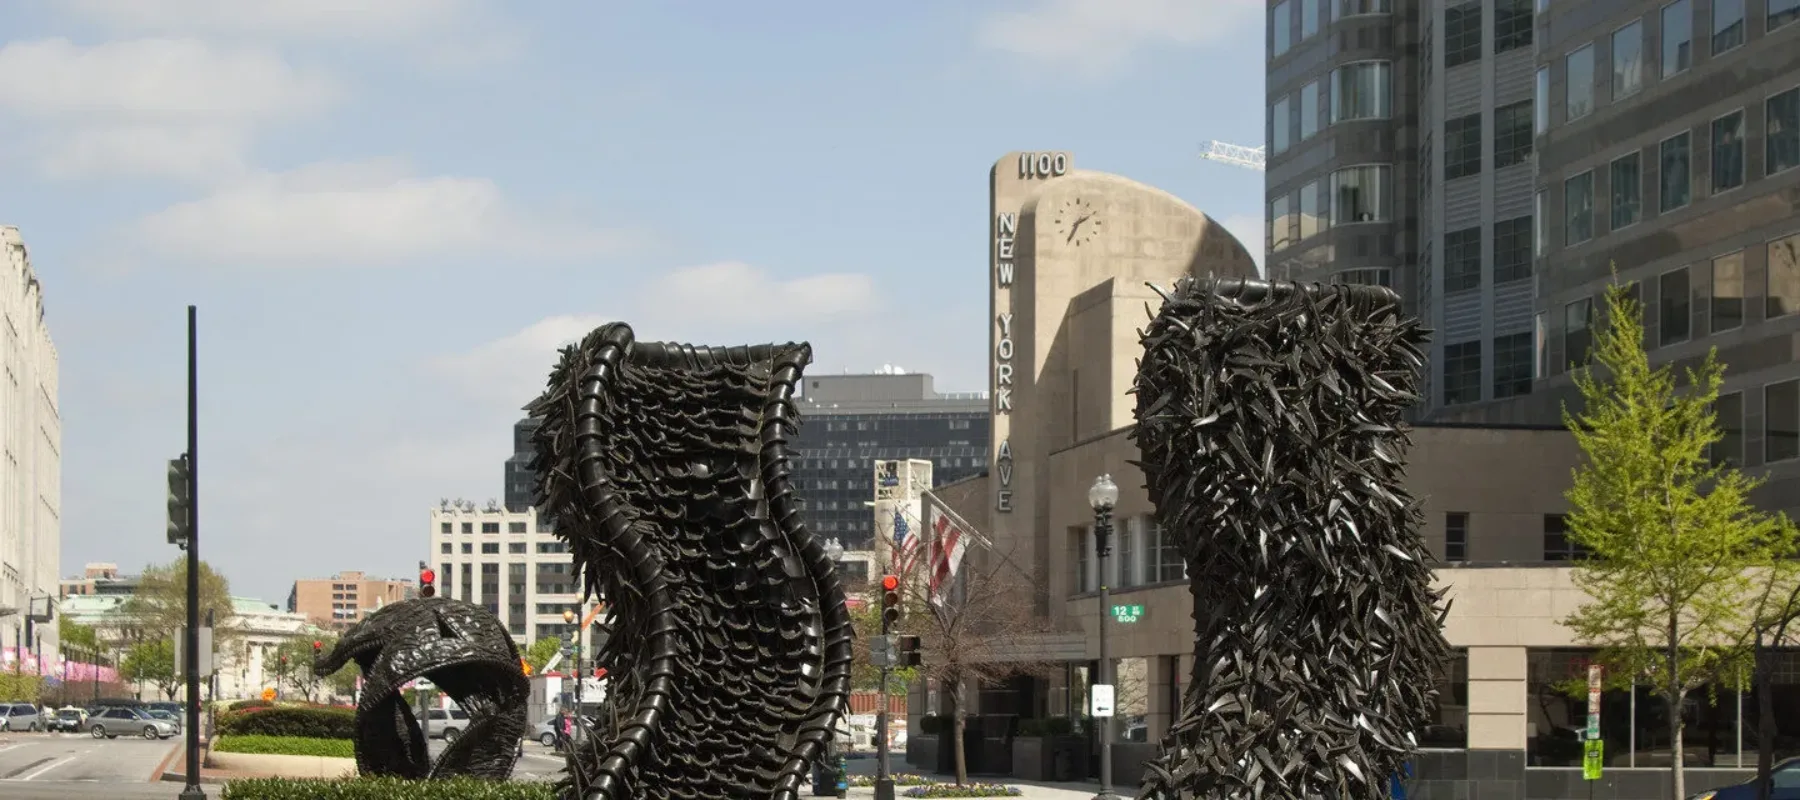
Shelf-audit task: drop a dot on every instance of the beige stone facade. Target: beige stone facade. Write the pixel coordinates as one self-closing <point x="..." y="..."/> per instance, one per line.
<point x="1068" y="301"/>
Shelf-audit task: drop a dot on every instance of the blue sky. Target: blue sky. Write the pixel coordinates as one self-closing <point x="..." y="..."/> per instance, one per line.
<point x="390" y="215"/>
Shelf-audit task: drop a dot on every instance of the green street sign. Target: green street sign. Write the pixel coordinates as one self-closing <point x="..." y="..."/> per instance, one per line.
<point x="1591" y="757"/>
<point x="1127" y="614"/>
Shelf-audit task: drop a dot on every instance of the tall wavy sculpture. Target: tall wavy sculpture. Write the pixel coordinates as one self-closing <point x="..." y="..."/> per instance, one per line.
<point x="1269" y="417"/>
<point x="665" y="468"/>
<point x="462" y="649"/>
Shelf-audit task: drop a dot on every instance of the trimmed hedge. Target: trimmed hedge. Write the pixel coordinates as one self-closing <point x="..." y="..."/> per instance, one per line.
<point x="311" y="722"/>
<point x="286" y="746"/>
<point x="240" y="705"/>
<point x="385" y="789"/>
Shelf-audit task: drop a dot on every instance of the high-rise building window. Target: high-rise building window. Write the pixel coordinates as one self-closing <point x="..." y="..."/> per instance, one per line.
<point x="1280" y="125"/>
<point x="1462" y="146"/>
<point x="1728" y="152"/>
<point x="1627" y="60"/>
<point x="1674" y="308"/>
<point x="1512" y="250"/>
<point x="1281" y="24"/>
<point x="1578" y="209"/>
<point x="1540" y="102"/>
<point x="1351" y="8"/>
<point x="1783" y="291"/>
<point x="1280" y="232"/>
<point x="515" y="527"/>
<point x="1512" y="365"/>
<point x="1781" y="421"/>
<point x="1677" y="37"/>
<point x="1782" y="12"/>
<point x="490" y="527"/>
<point x="1462" y="373"/>
<point x="443" y="527"/>
<point x="1359" y="194"/>
<point x="1311" y="219"/>
<point x="1781" y="132"/>
<point x="1728" y="25"/>
<point x="1728" y="291"/>
<point x="1579" y="72"/>
<point x="1675" y="174"/>
<point x="1462" y="33"/>
<point x="1512" y="134"/>
<point x="1558" y="544"/>
<point x="1578" y="335"/>
<point x="1540" y="345"/>
<point x="1309" y="18"/>
<point x="1512" y="25"/>
<point x="1729" y="449"/>
<point x="1456" y="536"/>
<point x="1462" y="259"/>
<point x="1309" y="110"/>
<point x="1361" y="91"/>
<point x="1626" y="189"/>
<point x="1538" y="236"/>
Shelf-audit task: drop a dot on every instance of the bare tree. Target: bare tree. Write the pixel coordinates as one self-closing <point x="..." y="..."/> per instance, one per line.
<point x="982" y="634"/>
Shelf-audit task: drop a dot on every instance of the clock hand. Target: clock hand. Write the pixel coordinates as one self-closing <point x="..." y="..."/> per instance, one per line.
<point x="1074" y="228"/>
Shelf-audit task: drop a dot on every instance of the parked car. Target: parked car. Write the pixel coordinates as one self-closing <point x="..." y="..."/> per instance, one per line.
<point x="1784" y="777"/>
<point x="66" y="720"/>
<point x="118" y="721"/>
<point x="448" y="725"/>
<point x="545" y="732"/>
<point x="20" y="717"/>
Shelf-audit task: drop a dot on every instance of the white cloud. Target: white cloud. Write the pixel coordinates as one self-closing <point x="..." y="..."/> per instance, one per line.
<point x="308" y="18"/>
<point x="168" y="107"/>
<point x="366" y="213"/>
<point x="1098" y="36"/>
<point x="725" y="303"/>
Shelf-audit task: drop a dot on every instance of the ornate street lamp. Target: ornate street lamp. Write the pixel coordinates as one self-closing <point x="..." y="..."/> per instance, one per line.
<point x="1102" y="496"/>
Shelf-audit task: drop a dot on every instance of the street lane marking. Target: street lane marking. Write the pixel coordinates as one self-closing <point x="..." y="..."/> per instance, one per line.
<point x="52" y="765"/>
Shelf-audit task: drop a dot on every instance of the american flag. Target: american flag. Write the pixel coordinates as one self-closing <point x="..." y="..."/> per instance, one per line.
<point x="949" y="539"/>
<point x="906" y="544"/>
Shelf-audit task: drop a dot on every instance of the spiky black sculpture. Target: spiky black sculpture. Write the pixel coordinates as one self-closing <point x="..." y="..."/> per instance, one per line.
<point x="666" y="469"/>
<point x="1269" y="420"/>
<point x="462" y="649"/>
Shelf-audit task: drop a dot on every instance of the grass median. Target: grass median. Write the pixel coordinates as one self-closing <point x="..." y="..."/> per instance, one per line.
<point x="252" y="744"/>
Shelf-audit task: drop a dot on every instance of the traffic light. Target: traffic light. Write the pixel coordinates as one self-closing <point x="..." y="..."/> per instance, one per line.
<point x="426" y="578"/>
<point x="906" y="651"/>
<point x="890" y="603"/>
<point x="318" y="646"/>
<point x="180" y="496"/>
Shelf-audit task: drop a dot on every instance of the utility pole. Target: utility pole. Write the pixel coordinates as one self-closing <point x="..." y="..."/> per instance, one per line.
<point x="883" y="656"/>
<point x="192" y="646"/>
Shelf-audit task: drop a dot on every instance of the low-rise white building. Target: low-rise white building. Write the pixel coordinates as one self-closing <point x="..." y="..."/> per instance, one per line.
<point x="244" y="658"/>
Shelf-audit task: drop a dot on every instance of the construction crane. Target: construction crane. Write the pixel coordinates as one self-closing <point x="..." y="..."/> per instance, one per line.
<point x="1235" y="155"/>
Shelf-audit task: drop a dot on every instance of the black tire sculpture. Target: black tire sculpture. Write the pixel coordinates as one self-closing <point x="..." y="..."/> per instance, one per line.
<point x="665" y="467"/>
<point x="462" y="649"/>
<point x="1269" y="418"/>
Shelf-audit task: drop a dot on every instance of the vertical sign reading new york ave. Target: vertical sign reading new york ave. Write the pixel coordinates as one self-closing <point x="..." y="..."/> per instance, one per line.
<point x="1004" y="210"/>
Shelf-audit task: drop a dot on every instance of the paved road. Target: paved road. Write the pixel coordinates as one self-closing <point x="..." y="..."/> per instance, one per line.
<point x="31" y="758"/>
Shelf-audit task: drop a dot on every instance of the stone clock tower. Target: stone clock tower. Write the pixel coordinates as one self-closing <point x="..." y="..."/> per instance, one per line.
<point x="1059" y="239"/>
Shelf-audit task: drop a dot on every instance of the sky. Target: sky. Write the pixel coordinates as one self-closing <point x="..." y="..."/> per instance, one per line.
<point x="392" y="214"/>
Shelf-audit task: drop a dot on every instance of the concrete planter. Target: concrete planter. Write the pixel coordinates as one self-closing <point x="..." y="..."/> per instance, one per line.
<point x="921" y="752"/>
<point x="283" y="766"/>
<point x="1049" y="758"/>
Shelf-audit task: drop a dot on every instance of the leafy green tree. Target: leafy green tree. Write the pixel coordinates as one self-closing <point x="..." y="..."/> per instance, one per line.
<point x="299" y="654"/>
<point x="152" y="662"/>
<point x="158" y="609"/>
<point x="1671" y="538"/>
<point x="76" y="637"/>
<point x="541" y="651"/>
<point x="865" y="676"/>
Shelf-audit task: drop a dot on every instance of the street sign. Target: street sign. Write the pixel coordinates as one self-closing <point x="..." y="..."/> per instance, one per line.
<point x="206" y="652"/>
<point x="1592" y="755"/>
<point x="1594" y="687"/>
<point x="1128" y="614"/>
<point x="1101" y="704"/>
<point x="881" y="651"/>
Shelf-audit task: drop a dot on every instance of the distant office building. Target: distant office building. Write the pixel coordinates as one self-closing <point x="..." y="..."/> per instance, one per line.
<point x="344" y="599"/>
<point x="31" y="473"/>
<point x="98" y="578"/>
<point x="506" y="561"/>
<point x="521" y="481"/>
<point x="848" y="422"/>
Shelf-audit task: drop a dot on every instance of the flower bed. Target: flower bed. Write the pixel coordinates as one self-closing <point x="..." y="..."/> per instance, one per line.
<point x="963" y="790"/>
<point x="385" y="789"/>
<point x="286" y="746"/>
<point x="900" y="779"/>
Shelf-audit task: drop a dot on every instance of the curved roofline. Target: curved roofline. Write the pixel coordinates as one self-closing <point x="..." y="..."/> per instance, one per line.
<point x="1031" y="203"/>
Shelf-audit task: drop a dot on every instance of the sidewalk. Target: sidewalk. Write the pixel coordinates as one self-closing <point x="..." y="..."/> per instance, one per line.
<point x="1033" y="790"/>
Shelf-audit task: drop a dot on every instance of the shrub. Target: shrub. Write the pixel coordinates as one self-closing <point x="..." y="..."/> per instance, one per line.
<point x="243" y="704"/>
<point x="316" y="723"/>
<point x="385" y="788"/>
<point x="963" y="790"/>
<point x="286" y="746"/>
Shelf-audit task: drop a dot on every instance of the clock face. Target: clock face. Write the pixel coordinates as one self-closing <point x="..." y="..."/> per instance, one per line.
<point x="1077" y="222"/>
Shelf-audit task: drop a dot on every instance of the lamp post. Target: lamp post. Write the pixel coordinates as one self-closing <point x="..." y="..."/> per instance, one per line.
<point x="570" y="618"/>
<point x="1102" y="496"/>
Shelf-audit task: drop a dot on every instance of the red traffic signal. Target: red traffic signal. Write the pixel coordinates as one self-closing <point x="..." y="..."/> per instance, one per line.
<point x="890" y="602"/>
<point x="317" y="646"/>
<point x="426" y="578"/>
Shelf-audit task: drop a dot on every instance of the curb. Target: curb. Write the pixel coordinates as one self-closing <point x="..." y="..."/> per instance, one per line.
<point x="162" y="767"/>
